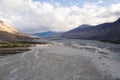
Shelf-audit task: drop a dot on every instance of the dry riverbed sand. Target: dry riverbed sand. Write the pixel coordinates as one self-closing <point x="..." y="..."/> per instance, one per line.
<point x="55" y="61"/>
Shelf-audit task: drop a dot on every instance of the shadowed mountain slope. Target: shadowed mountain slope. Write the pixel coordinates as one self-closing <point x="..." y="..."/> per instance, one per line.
<point x="106" y="31"/>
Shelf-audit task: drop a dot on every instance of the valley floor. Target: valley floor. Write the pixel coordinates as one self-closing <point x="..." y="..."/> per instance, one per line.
<point x="61" y="60"/>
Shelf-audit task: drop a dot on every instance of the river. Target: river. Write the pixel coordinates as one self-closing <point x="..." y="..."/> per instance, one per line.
<point x="65" y="59"/>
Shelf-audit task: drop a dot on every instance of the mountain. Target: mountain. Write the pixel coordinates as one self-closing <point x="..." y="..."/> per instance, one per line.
<point x="105" y="31"/>
<point x="6" y="28"/>
<point x="8" y="33"/>
<point x="45" y="34"/>
<point x="79" y="28"/>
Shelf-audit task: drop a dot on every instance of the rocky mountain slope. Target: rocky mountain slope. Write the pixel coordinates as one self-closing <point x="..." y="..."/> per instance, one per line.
<point x="6" y="28"/>
<point x="8" y="33"/>
<point x="106" y="31"/>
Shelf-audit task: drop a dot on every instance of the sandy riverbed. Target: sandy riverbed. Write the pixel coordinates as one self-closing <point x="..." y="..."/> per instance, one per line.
<point x="60" y="61"/>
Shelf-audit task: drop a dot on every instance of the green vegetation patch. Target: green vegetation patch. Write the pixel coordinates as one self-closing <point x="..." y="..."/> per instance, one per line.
<point x="7" y="48"/>
<point x="11" y="45"/>
<point x="8" y="51"/>
<point x="13" y="48"/>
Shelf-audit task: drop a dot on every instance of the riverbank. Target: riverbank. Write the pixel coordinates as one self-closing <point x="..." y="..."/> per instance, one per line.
<point x="111" y="41"/>
<point x="15" y="50"/>
<point x="8" y="48"/>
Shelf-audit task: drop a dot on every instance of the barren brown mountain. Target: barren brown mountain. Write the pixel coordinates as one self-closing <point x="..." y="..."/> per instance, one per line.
<point x="8" y="33"/>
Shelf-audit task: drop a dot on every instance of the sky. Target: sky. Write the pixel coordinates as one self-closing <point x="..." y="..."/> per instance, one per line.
<point x="31" y="16"/>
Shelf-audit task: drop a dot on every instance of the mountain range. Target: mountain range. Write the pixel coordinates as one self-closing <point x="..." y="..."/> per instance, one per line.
<point x="105" y="31"/>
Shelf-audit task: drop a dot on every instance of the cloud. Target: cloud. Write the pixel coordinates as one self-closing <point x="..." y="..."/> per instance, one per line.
<point x="100" y="1"/>
<point x="31" y="16"/>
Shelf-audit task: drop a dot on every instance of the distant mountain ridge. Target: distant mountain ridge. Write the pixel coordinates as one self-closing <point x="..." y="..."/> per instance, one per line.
<point x="105" y="31"/>
<point x="45" y="34"/>
<point x="8" y="33"/>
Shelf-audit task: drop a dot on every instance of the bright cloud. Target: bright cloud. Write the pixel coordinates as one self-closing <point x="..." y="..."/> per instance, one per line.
<point x="31" y="16"/>
<point x="100" y="1"/>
